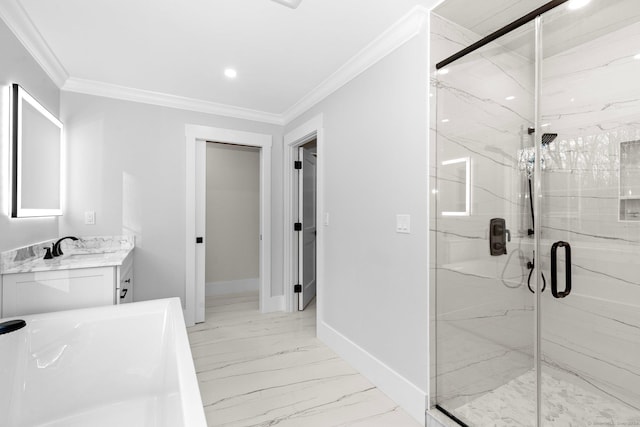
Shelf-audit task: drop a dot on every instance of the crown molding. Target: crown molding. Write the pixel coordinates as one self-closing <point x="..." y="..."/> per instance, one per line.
<point x="399" y="33"/>
<point x="16" y="18"/>
<point x="406" y="28"/>
<point x="108" y="90"/>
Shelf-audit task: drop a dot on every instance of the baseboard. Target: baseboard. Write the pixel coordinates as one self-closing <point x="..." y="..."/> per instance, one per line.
<point x="271" y="304"/>
<point x="232" y="287"/>
<point x="399" y="389"/>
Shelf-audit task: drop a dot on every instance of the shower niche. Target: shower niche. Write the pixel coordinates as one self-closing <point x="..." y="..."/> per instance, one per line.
<point x="629" y="194"/>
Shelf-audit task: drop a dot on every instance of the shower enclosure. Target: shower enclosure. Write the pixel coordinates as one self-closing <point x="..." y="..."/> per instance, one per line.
<point x="536" y="206"/>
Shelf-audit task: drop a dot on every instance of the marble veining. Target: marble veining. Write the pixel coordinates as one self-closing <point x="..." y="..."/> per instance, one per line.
<point x="86" y="252"/>
<point x="270" y="370"/>
<point x="484" y="321"/>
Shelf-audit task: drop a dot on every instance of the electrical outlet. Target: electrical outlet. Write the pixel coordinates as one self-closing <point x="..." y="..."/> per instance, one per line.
<point x="403" y="224"/>
<point x="90" y="217"/>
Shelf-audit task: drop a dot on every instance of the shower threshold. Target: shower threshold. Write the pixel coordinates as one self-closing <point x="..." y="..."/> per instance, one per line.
<point x="564" y="404"/>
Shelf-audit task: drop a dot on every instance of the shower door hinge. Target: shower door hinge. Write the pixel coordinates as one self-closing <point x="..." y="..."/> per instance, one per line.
<point x="297" y="226"/>
<point x="297" y="288"/>
<point x="297" y="164"/>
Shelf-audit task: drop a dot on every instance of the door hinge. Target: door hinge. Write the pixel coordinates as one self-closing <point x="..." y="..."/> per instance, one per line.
<point x="297" y="288"/>
<point x="297" y="226"/>
<point x="297" y="164"/>
<point x="199" y="240"/>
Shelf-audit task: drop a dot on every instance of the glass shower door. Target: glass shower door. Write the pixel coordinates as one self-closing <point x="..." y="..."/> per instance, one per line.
<point x="485" y="319"/>
<point x="590" y="215"/>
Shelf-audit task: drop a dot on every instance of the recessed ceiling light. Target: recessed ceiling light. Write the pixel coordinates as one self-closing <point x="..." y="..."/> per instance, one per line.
<point x="637" y="56"/>
<point x="443" y="71"/>
<point x="545" y="125"/>
<point x="230" y="73"/>
<point x="577" y="4"/>
<point x="510" y="98"/>
<point x="445" y="120"/>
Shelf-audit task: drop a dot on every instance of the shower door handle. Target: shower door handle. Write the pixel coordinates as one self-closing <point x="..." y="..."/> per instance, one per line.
<point x="554" y="269"/>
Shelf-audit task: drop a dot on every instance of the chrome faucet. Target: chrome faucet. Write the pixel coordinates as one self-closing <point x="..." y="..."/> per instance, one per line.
<point x="56" y="251"/>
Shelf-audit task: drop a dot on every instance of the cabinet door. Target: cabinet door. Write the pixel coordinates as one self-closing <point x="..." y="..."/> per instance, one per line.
<point x="31" y="293"/>
<point x="124" y="290"/>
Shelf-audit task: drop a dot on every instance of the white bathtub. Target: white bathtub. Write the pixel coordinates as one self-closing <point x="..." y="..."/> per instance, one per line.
<point x="125" y="365"/>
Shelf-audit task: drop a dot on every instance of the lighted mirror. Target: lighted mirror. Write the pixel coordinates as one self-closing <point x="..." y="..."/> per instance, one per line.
<point x="455" y="187"/>
<point x="36" y="144"/>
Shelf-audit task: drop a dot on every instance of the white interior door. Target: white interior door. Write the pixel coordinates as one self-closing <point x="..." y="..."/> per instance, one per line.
<point x="307" y="237"/>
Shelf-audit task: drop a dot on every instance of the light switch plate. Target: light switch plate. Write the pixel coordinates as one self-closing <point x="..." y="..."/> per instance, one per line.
<point x="403" y="224"/>
<point x="90" y="217"/>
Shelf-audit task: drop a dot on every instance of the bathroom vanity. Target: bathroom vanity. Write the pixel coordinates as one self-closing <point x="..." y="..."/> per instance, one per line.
<point x="92" y="272"/>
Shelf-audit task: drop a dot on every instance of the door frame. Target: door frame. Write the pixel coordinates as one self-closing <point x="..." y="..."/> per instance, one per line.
<point x="312" y="129"/>
<point x="196" y="138"/>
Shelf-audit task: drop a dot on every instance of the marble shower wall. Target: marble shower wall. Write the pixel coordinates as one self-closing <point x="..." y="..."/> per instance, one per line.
<point x="484" y="310"/>
<point x="484" y="315"/>
<point x="591" y="99"/>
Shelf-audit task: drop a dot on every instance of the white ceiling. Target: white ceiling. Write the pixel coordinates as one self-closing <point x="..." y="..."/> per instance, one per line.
<point x="181" y="47"/>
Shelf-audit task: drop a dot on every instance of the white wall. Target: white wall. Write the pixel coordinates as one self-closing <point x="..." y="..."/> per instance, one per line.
<point x="233" y="213"/>
<point x="375" y="164"/>
<point x="18" y="66"/>
<point x="127" y="162"/>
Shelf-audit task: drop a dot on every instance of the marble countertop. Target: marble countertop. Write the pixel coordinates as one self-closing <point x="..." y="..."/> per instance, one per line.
<point x="86" y="252"/>
<point x="73" y="261"/>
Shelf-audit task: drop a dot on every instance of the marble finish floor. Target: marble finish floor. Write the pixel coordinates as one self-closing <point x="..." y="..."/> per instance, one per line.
<point x="270" y="370"/>
<point x="564" y="405"/>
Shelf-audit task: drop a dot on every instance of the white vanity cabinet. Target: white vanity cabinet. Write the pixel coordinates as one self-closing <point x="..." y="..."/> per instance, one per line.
<point x="56" y="290"/>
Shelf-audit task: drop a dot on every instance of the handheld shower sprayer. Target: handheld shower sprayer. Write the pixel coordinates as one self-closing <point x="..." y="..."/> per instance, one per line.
<point x="547" y="138"/>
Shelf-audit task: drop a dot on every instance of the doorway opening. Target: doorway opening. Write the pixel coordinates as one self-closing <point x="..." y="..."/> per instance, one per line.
<point x="195" y="192"/>
<point x="307" y="138"/>
<point x="232" y="219"/>
<point x="306" y="225"/>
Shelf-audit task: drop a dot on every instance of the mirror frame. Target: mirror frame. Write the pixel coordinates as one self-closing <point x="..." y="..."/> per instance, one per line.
<point x="467" y="196"/>
<point x="18" y="97"/>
